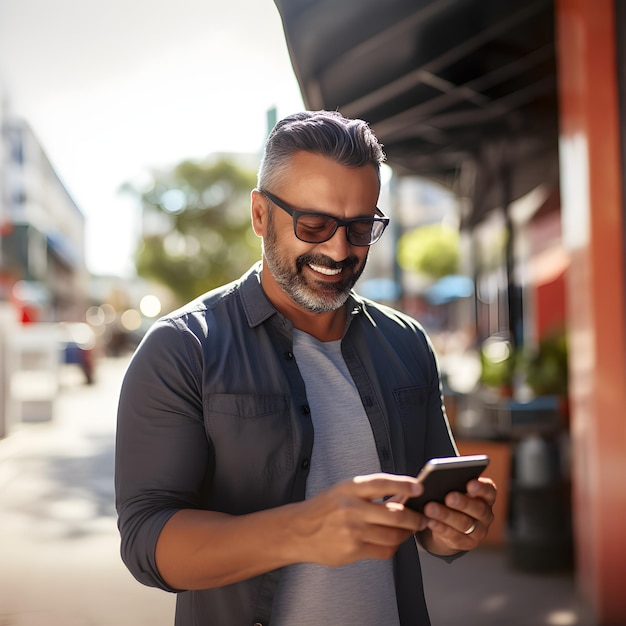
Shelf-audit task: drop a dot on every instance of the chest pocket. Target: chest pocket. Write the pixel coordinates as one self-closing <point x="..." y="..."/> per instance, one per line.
<point x="412" y="404"/>
<point x="252" y="442"/>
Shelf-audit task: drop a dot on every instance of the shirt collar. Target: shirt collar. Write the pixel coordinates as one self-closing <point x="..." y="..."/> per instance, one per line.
<point x="256" y="304"/>
<point x="258" y="307"/>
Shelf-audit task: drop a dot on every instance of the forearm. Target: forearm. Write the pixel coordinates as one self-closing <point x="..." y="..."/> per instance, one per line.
<point x="204" y="549"/>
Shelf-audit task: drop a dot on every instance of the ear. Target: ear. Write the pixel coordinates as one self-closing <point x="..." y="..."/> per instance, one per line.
<point x="259" y="209"/>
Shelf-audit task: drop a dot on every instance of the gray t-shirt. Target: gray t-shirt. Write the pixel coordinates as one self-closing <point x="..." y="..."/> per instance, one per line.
<point x="363" y="592"/>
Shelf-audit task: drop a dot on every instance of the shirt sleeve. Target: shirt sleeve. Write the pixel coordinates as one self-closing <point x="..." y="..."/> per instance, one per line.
<point x="440" y="439"/>
<point x="162" y="452"/>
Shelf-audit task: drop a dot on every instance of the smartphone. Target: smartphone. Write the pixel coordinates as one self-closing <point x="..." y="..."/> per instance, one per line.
<point x="442" y="475"/>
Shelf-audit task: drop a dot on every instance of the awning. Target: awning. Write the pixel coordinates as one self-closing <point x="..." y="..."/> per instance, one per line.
<point x="460" y="91"/>
<point x="449" y="288"/>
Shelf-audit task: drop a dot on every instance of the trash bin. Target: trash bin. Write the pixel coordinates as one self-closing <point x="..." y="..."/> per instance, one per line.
<point x="540" y="533"/>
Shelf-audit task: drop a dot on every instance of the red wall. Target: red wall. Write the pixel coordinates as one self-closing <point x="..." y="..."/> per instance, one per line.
<point x="593" y="213"/>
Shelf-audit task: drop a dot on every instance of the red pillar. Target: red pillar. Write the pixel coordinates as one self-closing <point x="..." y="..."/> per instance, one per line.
<point x="593" y="231"/>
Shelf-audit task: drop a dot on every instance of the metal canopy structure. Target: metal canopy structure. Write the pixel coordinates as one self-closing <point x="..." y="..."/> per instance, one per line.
<point x="463" y="92"/>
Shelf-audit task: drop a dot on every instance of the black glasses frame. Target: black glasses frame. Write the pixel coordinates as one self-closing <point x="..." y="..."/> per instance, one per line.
<point x="380" y="218"/>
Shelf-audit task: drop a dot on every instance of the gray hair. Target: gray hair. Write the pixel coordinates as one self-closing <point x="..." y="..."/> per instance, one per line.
<point x="349" y="142"/>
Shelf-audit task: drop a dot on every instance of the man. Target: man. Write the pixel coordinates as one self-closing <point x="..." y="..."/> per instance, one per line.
<point x="262" y="426"/>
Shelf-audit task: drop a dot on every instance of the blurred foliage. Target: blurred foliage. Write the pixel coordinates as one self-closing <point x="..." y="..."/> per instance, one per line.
<point x="547" y="369"/>
<point x="432" y="250"/>
<point x="196" y="227"/>
<point x="498" y="361"/>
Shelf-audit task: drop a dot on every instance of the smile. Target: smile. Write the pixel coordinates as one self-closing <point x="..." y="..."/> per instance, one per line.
<point x="325" y="270"/>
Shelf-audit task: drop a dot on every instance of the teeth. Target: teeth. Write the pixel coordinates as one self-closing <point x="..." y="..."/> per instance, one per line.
<point x="324" y="270"/>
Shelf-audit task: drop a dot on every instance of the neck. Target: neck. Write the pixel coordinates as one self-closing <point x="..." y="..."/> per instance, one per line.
<point x="323" y="326"/>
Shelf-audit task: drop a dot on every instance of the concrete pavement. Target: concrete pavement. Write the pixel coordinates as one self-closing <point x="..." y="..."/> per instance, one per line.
<point x="59" y="546"/>
<point x="481" y="589"/>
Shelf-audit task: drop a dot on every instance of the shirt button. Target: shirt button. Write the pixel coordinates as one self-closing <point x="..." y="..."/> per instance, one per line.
<point x="305" y="409"/>
<point x="306" y="463"/>
<point x="288" y="356"/>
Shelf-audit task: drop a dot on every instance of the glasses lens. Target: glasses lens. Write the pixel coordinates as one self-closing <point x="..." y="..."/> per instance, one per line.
<point x="365" y="232"/>
<point x="315" y="228"/>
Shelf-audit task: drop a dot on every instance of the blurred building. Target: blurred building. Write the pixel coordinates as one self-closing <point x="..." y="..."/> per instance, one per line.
<point x="42" y="231"/>
<point x="43" y="278"/>
<point x="519" y="108"/>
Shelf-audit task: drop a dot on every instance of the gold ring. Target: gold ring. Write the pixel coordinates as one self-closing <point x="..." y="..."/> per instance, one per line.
<point x="471" y="529"/>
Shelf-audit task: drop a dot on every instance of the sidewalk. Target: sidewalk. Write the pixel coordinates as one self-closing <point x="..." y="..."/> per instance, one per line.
<point x="59" y="546"/>
<point x="481" y="589"/>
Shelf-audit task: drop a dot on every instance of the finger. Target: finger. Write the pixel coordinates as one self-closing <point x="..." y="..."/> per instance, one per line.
<point x="388" y="513"/>
<point x="483" y="488"/>
<point x="373" y="486"/>
<point x="472" y="507"/>
<point x="439" y="514"/>
<point x="413" y="516"/>
<point x="385" y="536"/>
<point x="452" y="528"/>
<point x="403" y="499"/>
<point x="391" y="515"/>
<point x="456" y="538"/>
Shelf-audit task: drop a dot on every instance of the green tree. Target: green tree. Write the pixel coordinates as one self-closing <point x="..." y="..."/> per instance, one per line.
<point x="432" y="250"/>
<point x="196" y="227"/>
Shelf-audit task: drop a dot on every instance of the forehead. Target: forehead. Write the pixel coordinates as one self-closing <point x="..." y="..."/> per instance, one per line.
<point x="317" y="181"/>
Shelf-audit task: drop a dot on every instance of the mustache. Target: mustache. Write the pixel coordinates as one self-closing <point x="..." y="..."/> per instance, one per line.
<point x="325" y="261"/>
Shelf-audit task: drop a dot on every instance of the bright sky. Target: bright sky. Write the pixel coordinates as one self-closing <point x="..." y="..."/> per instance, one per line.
<point x="112" y="88"/>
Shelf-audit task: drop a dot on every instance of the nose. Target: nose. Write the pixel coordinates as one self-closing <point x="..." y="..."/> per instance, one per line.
<point x="338" y="247"/>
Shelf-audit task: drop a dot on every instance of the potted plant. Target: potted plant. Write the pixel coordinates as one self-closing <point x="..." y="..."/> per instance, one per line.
<point x="547" y="368"/>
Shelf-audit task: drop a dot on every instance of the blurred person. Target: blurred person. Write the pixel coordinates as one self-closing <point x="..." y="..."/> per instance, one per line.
<point x="261" y="426"/>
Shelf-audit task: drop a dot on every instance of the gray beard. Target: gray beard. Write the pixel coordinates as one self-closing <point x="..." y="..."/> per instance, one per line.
<point x="293" y="283"/>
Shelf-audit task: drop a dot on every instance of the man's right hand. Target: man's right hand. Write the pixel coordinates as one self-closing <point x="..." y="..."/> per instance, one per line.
<point x="350" y="521"/>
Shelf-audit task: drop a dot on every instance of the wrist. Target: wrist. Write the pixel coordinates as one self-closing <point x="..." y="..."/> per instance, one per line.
<point x="429" y="542"/>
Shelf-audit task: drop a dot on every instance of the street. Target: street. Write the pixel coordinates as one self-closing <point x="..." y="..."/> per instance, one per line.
<point x="59" y="546"/>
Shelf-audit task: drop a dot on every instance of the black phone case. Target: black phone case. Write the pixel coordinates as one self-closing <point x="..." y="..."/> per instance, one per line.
<point x="439" y="483"/>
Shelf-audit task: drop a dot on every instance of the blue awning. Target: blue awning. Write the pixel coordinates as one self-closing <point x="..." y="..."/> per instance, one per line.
<point x="449" y="288"/>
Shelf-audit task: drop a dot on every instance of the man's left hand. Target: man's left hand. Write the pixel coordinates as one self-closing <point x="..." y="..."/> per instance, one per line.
<point x="463" y="522"/>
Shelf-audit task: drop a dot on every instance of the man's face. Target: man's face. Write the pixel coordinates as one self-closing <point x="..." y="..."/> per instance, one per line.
<point x="318" y="277"/>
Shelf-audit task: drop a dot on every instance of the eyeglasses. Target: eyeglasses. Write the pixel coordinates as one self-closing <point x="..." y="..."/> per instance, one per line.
<point x="313" y="227"/>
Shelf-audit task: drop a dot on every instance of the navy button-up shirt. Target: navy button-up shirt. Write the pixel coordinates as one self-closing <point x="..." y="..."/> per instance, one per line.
<point x="213" y="415"/>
